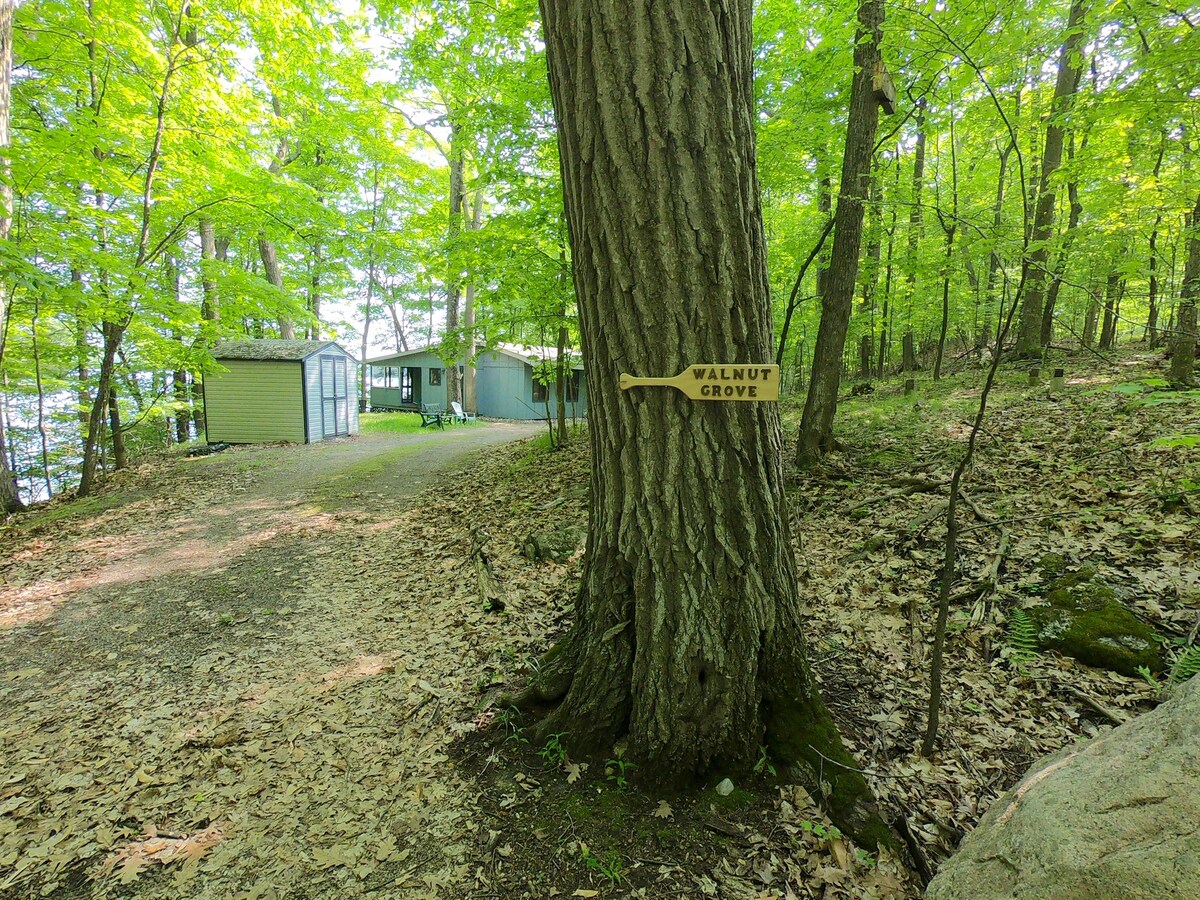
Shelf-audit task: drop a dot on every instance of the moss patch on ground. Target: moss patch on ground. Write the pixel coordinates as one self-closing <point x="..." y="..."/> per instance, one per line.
<point x="1084" y="620"/>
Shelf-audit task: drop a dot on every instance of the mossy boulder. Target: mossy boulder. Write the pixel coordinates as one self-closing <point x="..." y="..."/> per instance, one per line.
<point x="556" y="545"/>
<point x="1084" y="619"/>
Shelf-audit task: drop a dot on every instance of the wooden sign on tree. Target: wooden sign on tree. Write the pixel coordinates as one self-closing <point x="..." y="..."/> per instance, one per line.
<point x="716" y="382"/>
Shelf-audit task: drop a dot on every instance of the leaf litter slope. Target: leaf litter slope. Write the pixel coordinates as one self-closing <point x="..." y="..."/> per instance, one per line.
<point x="253" y="660"/>
<point x="313" y="735"/>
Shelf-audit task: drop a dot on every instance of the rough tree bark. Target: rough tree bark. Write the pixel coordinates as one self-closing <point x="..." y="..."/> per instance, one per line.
<point x="816" y="427"/>
<point x="10" y="499"/>
<point x="1070" y="63"/>
<point x="688" y="640"/>
<point x="1183" y="351"/>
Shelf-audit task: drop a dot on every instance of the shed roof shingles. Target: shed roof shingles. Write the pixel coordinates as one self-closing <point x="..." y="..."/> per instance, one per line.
<point x="268" y="349"/>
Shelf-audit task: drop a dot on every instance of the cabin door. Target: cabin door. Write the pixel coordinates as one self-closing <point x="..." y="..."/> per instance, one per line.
<point x="335" y="408"/>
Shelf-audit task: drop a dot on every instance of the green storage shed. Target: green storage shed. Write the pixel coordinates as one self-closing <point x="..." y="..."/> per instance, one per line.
<point x="274" y="390"/>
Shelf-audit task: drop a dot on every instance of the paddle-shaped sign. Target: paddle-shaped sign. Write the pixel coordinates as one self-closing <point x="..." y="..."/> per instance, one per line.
<point x="716" y="382"/>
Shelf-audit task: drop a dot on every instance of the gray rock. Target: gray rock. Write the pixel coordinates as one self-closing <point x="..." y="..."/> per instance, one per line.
<point x="725" y="788"/>
<point x="1114" y="818"/>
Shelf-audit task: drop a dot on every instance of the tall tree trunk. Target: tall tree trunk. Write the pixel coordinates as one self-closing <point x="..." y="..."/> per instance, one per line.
<point x="83" y="400"/>
<point x="114" y="326"/>
<point x="688" y="640"/>
<point x="210" y="305"/>
<point x="1183" y="350"/>
<point x="1108" y="332"/>
<point x="1064" y="253"/>
<point x="950" y="230"/>
<point x="270" y="261"/>
<point x="364" y="399"/>
<point x="453" y="263"/>
<point x="1070" y="63"/>
<point x="816" y="427"/>
<point x="313" y="328"/>
<point x="889" y="306"/>
<point x="398" y="328"/>
<point x="561" y="370"/>
<point x="915" y="218"/>
<point x="120" y="457"/>
<point x="983" y="338"/>
<point x="1090" y="320"/>
<point x="1151" y="335"/>
<point x="470" y="396"/>
<point x="10" y="498"/>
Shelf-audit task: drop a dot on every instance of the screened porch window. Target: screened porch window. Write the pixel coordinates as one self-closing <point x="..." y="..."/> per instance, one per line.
<point x="406" y="385"/>
<point x="385" y="376"/>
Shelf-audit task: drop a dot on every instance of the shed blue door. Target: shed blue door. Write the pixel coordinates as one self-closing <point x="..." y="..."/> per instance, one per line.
<point x="335" y="409"/>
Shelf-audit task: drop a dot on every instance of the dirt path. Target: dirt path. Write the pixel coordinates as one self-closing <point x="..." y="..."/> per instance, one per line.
<point x="245" y="650"/>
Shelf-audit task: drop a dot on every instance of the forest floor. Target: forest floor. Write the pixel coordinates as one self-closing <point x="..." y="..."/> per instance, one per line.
<point x="290" y="691"/>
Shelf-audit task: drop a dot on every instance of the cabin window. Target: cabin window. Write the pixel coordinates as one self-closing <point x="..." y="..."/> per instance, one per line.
<point x="541" y="392"/>
<point x="435" y="376"/>
<point x="406" y="385"/>
<point x="385" y="376"/>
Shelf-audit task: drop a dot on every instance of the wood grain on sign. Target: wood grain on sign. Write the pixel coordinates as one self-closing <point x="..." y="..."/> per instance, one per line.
<point x="716" y="382"/>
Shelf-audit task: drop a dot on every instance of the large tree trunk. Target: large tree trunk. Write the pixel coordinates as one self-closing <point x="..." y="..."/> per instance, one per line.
<point x="10" y="500"/>
<point x="1183" y="351"/>
<point x="816" y="427"/>
<point x="453" y="263"/>
<point x="1070" y="62"/>
<point x="688" y="638"/>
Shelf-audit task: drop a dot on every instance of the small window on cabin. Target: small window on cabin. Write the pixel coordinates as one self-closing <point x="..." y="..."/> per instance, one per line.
<point x="406" y="386"/>
<point x="435" y="376"/>
<point x="541" y="391"/>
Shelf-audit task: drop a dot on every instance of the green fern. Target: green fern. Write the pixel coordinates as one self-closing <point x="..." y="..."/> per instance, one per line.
<point x="1022" y="636"/>
<point x="1185" y="665"/>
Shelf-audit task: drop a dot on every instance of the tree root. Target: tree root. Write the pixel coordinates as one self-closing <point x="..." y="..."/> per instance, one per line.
<point x="801" y="734"/>
<point x="553" y="677"/>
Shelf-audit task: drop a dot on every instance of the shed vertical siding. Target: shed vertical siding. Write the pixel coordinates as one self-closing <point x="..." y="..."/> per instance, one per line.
<point x="254" y="401"/>
<point x="312" y="391"/>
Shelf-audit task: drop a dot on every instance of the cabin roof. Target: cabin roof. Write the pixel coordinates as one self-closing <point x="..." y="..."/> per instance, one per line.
<point x="521" y="352"/>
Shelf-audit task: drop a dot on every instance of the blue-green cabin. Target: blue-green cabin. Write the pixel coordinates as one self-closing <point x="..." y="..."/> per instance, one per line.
<point x="505" y="385"/>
